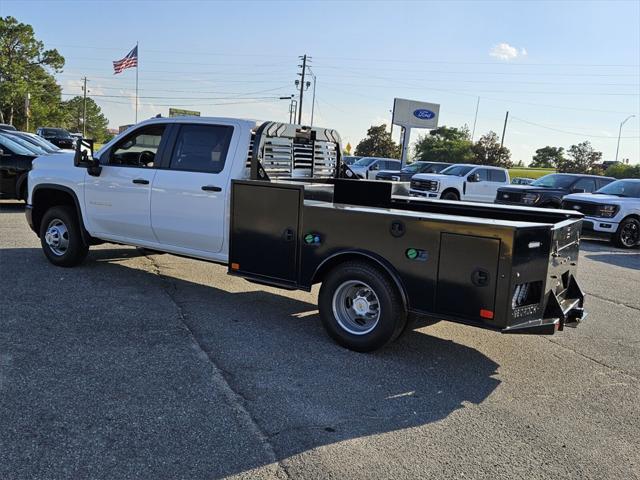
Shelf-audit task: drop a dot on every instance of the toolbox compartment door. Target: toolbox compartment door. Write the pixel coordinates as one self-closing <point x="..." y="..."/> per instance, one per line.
<point x="467" y="276"/>
<point x="264" y="231"/>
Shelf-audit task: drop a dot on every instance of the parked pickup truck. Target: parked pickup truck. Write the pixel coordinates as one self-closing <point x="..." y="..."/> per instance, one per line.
<point x="613" y="212"/>
<point x="474" y="183"/>
<point x="275" y="203"/>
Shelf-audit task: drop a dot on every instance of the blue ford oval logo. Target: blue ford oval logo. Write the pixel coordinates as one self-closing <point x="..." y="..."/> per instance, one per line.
<point x="423" y="114"/>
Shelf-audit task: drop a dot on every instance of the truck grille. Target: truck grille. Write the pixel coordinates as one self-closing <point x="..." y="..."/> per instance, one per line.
<point x="586" y="208"/>
<point x="425" y="185"/>
<point x="511" y="197"/>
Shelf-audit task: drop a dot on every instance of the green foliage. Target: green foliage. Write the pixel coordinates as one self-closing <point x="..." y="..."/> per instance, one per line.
<point x="581" y="159"/>
<point x="378" y="143"/>
<point x="96" y="122"/>
<point x="620" y="170"/>
<point x="25" y="67"/>
<point x="445" y="144"/>
<point x="548" y="157"/>
<point x="530" y="172"/>
<point x="487" y="151"/>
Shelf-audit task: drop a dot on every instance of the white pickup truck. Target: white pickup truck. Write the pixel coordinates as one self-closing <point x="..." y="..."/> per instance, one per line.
<point x="472" y="183"/>
<point x="612" y="212"/>
<point x="276" y="204"/>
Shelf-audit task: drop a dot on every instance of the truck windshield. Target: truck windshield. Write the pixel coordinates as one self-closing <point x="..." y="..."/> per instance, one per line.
<point x="365" y="162"/>
<point x="457" y="170"/>
<point x="29" y="145"/>
<point x="554" y="181"/>
<point x="621" y="188"/>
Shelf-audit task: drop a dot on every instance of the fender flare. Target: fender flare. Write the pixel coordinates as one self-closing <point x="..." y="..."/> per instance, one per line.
<point x="52" y="186"/>
<point x="351" y="254"/>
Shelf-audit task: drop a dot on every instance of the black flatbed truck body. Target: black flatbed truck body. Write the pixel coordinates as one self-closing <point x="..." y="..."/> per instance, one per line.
<point x="505" y="268"/>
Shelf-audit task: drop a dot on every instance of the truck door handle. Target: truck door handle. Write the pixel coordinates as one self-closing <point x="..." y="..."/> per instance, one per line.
<point x="211" y="188"/>
<point x="141" y="181"/>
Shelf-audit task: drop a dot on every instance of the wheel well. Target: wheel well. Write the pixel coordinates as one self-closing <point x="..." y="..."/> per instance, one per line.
<point x="45" y="198"/>
<point x="451" y="189"/>
<point x="332" y="262"/>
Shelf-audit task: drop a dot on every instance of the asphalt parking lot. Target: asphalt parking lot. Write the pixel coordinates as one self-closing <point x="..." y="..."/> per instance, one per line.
<point x="159" y="367"/>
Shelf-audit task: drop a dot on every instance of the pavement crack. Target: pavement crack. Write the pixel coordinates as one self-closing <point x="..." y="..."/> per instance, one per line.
<point x="235" y="399"/>
<point x="608" y="300"/>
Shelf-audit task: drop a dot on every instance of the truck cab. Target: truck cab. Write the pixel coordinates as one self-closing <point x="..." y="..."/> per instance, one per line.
<point x="473" y="183"/>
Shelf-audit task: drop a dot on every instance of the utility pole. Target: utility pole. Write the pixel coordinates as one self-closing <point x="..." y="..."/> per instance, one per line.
<point x="304" y="71"/>
<point x="504" y="129"/>
<point x="475" y="119"/>
<point x="84" y="109"/>
<point x="620" y="133"/>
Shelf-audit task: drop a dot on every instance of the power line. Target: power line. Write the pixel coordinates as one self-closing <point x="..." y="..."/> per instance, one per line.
<point x="566" y="131"/>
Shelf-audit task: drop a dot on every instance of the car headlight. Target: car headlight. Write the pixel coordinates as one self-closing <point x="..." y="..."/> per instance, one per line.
<point x="395" y="178"/>
<point x="607" y="211"/>
<point x="530" y="198"/>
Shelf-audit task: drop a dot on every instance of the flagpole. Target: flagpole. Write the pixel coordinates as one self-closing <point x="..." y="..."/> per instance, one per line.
<point x="137" y="66"/>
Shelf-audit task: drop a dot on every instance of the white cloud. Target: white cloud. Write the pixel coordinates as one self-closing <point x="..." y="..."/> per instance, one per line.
<point x="506" y="52"/>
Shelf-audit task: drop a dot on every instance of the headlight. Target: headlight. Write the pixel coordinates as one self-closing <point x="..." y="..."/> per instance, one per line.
<point x="530" y="198"/>
<point x="395" y="178"/>
<point x="607" y="211"/>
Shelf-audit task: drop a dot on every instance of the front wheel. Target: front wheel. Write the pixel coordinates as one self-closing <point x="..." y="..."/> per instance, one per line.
<point x="61" y="238"/>
<point x="451" y="195"/>
<point x="628" y="233"/>
<point x="360" y="307"/>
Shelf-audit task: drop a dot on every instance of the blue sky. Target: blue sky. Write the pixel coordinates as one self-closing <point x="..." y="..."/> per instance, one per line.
<point x="566" y="71"/>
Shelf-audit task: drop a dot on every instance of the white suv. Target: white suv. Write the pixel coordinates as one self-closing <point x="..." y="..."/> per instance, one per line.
<point x="474" y="183"/>
<point x="613" y="212"/>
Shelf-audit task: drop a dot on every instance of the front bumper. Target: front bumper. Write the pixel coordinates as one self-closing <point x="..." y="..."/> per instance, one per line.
<point x="28" y="212"/>
<point x="424" y="194"/>
<point x="601" y="228"/>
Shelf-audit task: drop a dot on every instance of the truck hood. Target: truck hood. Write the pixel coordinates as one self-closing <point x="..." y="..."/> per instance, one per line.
<point x="602" y="199"/>
<point x="433" y="176"/>
<point x="530" y="189"/>
<point x="54" y="160"/>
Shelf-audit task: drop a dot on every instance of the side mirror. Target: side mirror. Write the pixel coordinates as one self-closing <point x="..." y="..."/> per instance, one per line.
<point x="84" y="157"/>
<point x="474" y="177"/>
<point x="375" y="167"/>
<point x="578" y="190"/>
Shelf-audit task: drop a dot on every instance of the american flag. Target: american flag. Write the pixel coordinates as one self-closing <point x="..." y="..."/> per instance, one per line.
<point x="130" y="61"/>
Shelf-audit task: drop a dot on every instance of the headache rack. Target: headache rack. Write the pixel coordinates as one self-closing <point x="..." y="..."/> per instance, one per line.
<point x="281" y="151"/>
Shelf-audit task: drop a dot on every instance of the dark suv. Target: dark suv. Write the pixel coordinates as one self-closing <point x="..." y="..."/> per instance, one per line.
<point x="547" y="191"/>
<point x="405" y="174"/>
<point x="58" y="136"/>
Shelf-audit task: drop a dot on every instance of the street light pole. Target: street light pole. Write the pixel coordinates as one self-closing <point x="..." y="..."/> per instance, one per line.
<point x="620" y="133"/>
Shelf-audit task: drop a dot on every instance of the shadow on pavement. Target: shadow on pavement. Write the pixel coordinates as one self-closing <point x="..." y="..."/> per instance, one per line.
<point x="609" y="254"/>
<point x="100" y="378"/>
<point x="12" y="207"/>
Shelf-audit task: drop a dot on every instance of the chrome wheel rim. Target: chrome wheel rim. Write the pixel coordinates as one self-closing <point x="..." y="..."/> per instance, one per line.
<point x="356" y="307"/>
<point x="630" y="234"/>
<point x="57" y="237"/>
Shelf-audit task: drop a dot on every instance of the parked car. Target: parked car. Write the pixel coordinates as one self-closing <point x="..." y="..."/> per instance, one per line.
<point x="15" y="163"/>
<point x="350" y="159"/>
<point x="613" y="212"/>
<point x="58" y="136"/>
<point x="521" y="181"/>
<point x="368" y="167"/>
<point x="547" y="191"/>
<point x="38" y="141"/>
<point x="474" y="183"/>
<point x="408" y="171"/>
<point x="180" y="185"/>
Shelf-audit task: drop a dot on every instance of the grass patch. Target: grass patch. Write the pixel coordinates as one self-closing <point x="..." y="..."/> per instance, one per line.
<point x="530" y="172"/>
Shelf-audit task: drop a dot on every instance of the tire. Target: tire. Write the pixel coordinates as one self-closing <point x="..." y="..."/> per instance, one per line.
<point x="375" y="293"/>
<point x="628" y="233"/>
<point x="450" y="195"/>
<point x="61" y="238"/>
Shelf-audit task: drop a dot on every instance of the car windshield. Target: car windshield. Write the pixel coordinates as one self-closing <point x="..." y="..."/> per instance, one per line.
<point x="46" y="144"/>
<point x="554" y="181"/>
<point x="56" y="132"/>
<point x="13" y="146"/>
<point x="365" y="162"/>
<point x="457" y="170"/>
<point x="28" y="145"/>
<point x="414" y="167"/>
<point x="621" y="188"/>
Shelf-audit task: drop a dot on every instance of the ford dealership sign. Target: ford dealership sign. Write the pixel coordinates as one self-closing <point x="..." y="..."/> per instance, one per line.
<point x="424" y="114"/>
<point x="414" y="114"/>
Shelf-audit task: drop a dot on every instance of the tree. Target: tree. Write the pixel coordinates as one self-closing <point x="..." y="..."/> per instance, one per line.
<point x="582" y="158"/>
<point x="487" y="151"/>
<point x="96" y="122"/>
<point x="548" y="157"/>
<point x="620" y="170"/>
<point x="24" y="69"/>
<point x="445" y="144"/>
<point x="378" y="143"/>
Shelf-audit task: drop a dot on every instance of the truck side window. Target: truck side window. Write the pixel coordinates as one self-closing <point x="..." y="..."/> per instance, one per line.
<point x="483" y="174"/>
<point x="201" y="148"/>
<point x="586" y="184"/>
<point x="139" y="148"/>
<point x="497" y="176"/>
